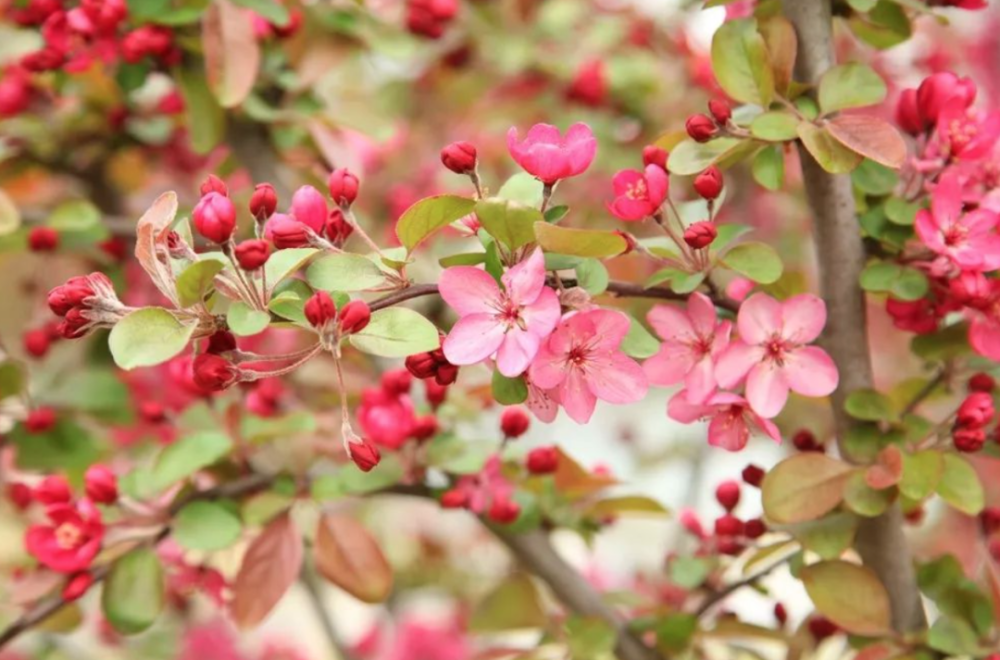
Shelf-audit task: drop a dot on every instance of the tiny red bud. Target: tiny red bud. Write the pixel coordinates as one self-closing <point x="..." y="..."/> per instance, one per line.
<point x="542" y="460"/>
<point x="421" y="365"/>
<point x="425" y="428"/>
<point x="19" y="494"/>
<point x="53" y="490"/>
<point x="689" y="521"/>
<point x="40" y="420"/>
<point x="504" y="511"/>
<point x="754" y="529"/>
<point x="343" y="186"/>
<point x="981" y="382"/>
<point x="968" y="440"/>
<point x="263" y="201"/>
<point x="320" y="309"/>
<point x="364" y="454"/>
<point x="700" y="234"/>
<point x="989" y="519"/>
<point x="514" y="422"/>
<point x="780" y="613"/>
<point x="152" y="412"/>
<point x="77" y="586"/>
<point x="446" y="374"/>
<point x="459" y="157"/>
<point x="101" y="484"/>
<point x="43" y="239"/>
<point x="37" y="342"/>
<point x="976" y="410"/>
<point x="396" y="381"/>
<point x="287" y="232"/>
<point x="804" y="440"/>
<point x="653" y="155"/>
<point x="215" y="217"/>
<point x="820" y="628"/>
<point x="66" y="296"/>
<point x="454" y="499"/>
<point x="338" y="229"/>
<point x="253" y="253"/>
<point x="729" y="545"/>
<point x="728" y="525"/>
<point x="354" y="317"/>
<point x="709" y="183"/>
<point x="720" y="110"/>
<point x="728" y="495"/>
<point x="213" y="373"/>
<point x="753" y="475"/>
<point x="221" y="341"/>
<point x="435" y="392"/>
<point x="701" y="128"/>
<point x="214" y="184"/>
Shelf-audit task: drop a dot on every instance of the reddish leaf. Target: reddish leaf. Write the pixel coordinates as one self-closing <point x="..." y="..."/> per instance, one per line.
<point x="232" y="55"/>
<point x="270" y="566"/>
<point x="151" y="242"/>
<point x="782" y="44"/>
<point x="993" y="578"/>
<point x="348" y="555"/>
<point x="870" y="136"/>
<point x="574" y="481"/>
<point x="887" y="470"/>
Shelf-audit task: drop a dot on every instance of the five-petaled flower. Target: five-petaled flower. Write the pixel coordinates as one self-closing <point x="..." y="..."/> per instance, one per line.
<point x="72" y="538"/>
<point x="731" y="419"/>
<point x="969" y="239"/>
<point x="639" y="195"/>
<point x="549" y="156"/>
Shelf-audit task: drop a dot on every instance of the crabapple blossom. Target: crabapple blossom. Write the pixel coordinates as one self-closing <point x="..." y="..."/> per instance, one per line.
<point x="639" y="195"/>
<point x="546" y="154"/>
<point x="71" y="539"/>
<point x="731" y="420"/>
<point x="968" y="239"/>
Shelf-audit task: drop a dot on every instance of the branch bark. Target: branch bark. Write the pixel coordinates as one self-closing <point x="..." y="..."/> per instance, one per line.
<point x="881" y="541"/>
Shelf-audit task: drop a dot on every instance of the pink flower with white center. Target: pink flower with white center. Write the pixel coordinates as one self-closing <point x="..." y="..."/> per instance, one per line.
<point x="967" y="239"/>
<point x="772" y="355"/>
<point x="692" y="341"/>
<point x="582" y="361"/>
<point x="639" y="195"/>
<point x="511" y="323"/>
<point x="547" y="155"/>
<point x="731" y="419"/>
<point x="970" y="135"/>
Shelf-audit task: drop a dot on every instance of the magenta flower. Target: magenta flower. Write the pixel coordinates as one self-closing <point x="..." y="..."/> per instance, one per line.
<point x="970" y="135"/>
<point x="967" y="239"/>
<point x="545" y="154"/>
<point x="511" y="323"/>
<point x="639" y="195"/>
<point x="692" y="341"/>
<point x="583" y="362"/>
<point x="731" y="420"/>
<point x="772" y="355"/>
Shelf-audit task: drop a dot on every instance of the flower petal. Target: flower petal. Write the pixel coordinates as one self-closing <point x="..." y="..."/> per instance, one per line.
<point x="700" y="380"/>
<point x="469" y="290"/>
<point x="576" y="397"/>
<point x="610" y="328"/>
<point x="616" y="378"/>
<point x="670" y="365"/>
<point x="735" y="362"/>
<point x="681" y="409"/>
<point x="524" y="281"/>
<point x="803" y="317"/>
<point x="516" y="352"/>
<point x="729" y="431"/>
<point x="701" y="311"/>
<point x="810" y="371"/>
<point x="473" y="339"/>
<point x="670" y="322"/>
<point x="767" y="389"/>
<point x="759" y="318"/>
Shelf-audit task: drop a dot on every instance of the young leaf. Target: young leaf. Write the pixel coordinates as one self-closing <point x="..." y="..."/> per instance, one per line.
<point x="864" y="500"/>
<point x="769" y="168"/>
<point x="196" y="280"/>
<point x="870" y="136"/>
<point x="592" y="276"/>
<point x="851" y="85"/>
<point x="245" y="321"/>
<point x="639" y="342"/>
<point x="133" y="593"/>
<point x="270" y="566"/>
<point x="206" y="526"/>
<point x="232" y="54"/>
<point x="429" y="215"/>
<point x="579" y="242"/>
<point x="921" y="474"/>
<point x="206" y="120"/>
<point x="396" y="332"/>
<point x="284" y="263"/>
<point x="508" y="391"/>
<point x="690" y="157"/>
<point x="960" y="486"/>
<point x="511" y="223"/>
<point x="151" y="237"/>
<point x="147" y="337"/>
<point x="514" y="605"/>
<point x="741" y="64"/>
<point x="188" y="455"/>
<point x="782" y="47"/>
<point x="344" y="272"/>
<point x="849" y="595"/>
<point x="870" y="406"/>
<point x="349" y="556"/>
<point x="832" y="156"/>
<point x="775" y="126"/>
<point x="804" y="487"/>
<point x="757" y="261"/>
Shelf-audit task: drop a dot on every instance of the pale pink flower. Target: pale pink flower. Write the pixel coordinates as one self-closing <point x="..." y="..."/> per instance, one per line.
<point x="583" y="362"/>
<point x="546" y="154"/>
<point x="692" y="341"/>
<point x="772" y="355"/>
<point x="731" y="419"/>
<point x="968" y="239"/>
<point x="511" y="323"/>
<point x="639" y="195"/>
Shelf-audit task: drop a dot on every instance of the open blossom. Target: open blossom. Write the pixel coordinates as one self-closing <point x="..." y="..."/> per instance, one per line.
<point x="967" y="239"/>
<point x="583" y="361"/>
<point x="511" y="323"/>
<point x="71" y="540"/>
<point x="731" y="419"/>
<point x="639" y="195"/>
<point x="771" y="353"/>
<point x="970" y="134"/>
<point x="546" y="154"/>
<point x="692" y="341"/>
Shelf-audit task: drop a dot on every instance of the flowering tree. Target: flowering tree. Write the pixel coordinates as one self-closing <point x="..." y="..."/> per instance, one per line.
<point x="313" y="325"/>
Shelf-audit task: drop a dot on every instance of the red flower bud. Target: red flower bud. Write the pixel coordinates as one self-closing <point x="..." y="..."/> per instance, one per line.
<point x="504" y="511"/>
<point x="989" y="520"/>
<point x="338" y="229"/>
<point x="701" y="128"/>
<point x="728" y="545"/>
<point x="101" y="484"/>
<point x="590" y="84"/>
<point x="214" y="184"/>
<point x="446" y="374"/>
<point x="74" y="325"/>
<point x="354" y="317"/>
<point x="77" y="586"/>
<point x="435" y="392"/>
<point x="804" y="440"/>
<point x="115" y="247"/>
<point x="343" y="186"/>
<point x="976" y="410"/>
<point x="19" y="494"/>
<point x="938" y="89"/>
<point x="514" y="422"/>
<point x="69" y="295"/>
<point x="720" y="110"/>
<point x="754" y="529"/>
<point x="981" y="382"/>
<point x="968" y="440"/>
<point x="993" y="547"/>
<point x="728" y="525"/>
<point x="542" y="460"/>
<point x="700" y="234"/>
<point x="780" y="613"/>
<point x="653" y="155"/>
<point x="421" y="365"/>
<point x="40" y="420"/>
<point x="459" y="157"/>
<point x="213" y="373"/>
<point x="708" y="184"/>
<point x="396" y="381"/>
<point x="252" y="253"/>
<point x="215" y="217"/>
<point x="425" y="428"/>
<point x="263" y="201"/>
<point x="221" y="341"/>
<point x="36" y="342"/>
<point x="728" y="495"/>
<point x="753" y="475"/>
<point x="908" y="113"/>
<point x="152" y="412"/>
<point x="454" y="499"/>
<point x="43" y="239"/>
<point x="820" y="628"/>
<point x="53" y="490"/>
<point x="287" y="232"/>
<point x="364" y="453"/>
<point x="320" y="309"/>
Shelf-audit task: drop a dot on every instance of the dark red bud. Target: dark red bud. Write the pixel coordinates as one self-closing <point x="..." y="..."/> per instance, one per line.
<point x="263" y="201"/>
<point x="343" y="186"/>
<point x="701" y="128"/>
<point x="542" y="460"/>
<point x="720" y="110"/>
<point x="514" y="422"/>
<point x="354" y="317"/>
<point x="43" y="239"/>
<point x="728" y="495"/>
<point x="253" y="253"/>
<point x="320" y="309"/>
<point x="459" y="157"/>
<point x="709" y="183"/>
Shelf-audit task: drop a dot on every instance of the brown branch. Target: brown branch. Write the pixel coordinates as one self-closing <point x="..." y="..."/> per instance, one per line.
<point x="881" y="541"/>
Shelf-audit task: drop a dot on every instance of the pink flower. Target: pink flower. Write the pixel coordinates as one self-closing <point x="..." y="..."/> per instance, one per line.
<point x="970" y="135"/>
<point x="71" y="540"/>
<point x="512" y="323"/>
<point x="692" y="340"/>
<point x="550" y="157"/>
<point x="968" y="239"/>
<point x="639" y="195"/>
<point x="582" y="360"/>
<point x="731" y="420"/>
<point x="772" y="355"/>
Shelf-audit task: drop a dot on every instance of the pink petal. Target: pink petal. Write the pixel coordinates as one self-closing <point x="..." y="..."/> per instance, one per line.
<point x="473" y="339"/>
<point x="803" y="317"/>
<point x="721" y="338"/>
<point x="516" y="352"/>
<point x="657" y="183"/>
<point x="927" y="230"/>
<point x="810" y="371"/>
<point x="700" y="381"/>
<point x="548" y="369"/>
<point x="524" y="281"/>
<point x="545" y="133"/>
<point x="728" y="431"/>
<point x="946" y="200"/>
<point x="542" y="403"/>
<point x="469" y="290"/>
<point x="701" y="311"/>
<point x="309" y="207"/>
<point x="610" y="328"/>
<point x="576" y="397"/>
<point x="670" y="322"/>
<point x="767" y="389"/>
<point x="735" y="362"/>
<point x="616" y="378"/>
<point x="624" y="180"/>
<point x="630" y="210"/>
<point x="984" y="337"/>
<point x="670" y="365"/>
<point x="542" y="316"/>
<point x="759" y="318"/>
<point x="681" y="409"/>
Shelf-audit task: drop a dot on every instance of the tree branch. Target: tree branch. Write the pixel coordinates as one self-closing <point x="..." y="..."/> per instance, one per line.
<point x="881" y="541"/>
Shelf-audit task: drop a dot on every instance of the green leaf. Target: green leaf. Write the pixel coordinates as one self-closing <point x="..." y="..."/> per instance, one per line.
<point x="522" y="188"/>
<point x="133" y="594"/>
<point x="690" y="157"/>
<point x="960" y="486"/>
<point x="245" y="321"/>
<point x="741" y="64"/>
<point x="272" y="10"/>
<point x="900" y="212"/>
<point x="592" y="277"/>
<point x="944" y="344"/>
<point x="674" y="633"/>
<point x="757" y="261"/>
<point x="465" y="259"/>
<point x="849" y="595"/>
<point x="885" y="26"/>
<point x="831" y="155"/>
<point x="10" y="216"/>
<point x="94" y="390"/>
<point x="197" y="280"/>
<point x="639" y="342"/>
<point x="954" y="637"/>
<point x="344" y="272"/>
<point x="556" y="213"/>
<point x="727" y="233"/>
<point x="864" y="500"/>
<point x="804" y="487"/>
<point x="396" y="332"/>
<point x="590" y="638"/>
<point x="829" y="537"/>
<point x="921" y="474"/>
<point x="511" y="223"/>
<point x="579" y="242"/>
<point x="509" y="391"/>
<point x="775" y="126"/>
<point x="769" y="168"/>
<point x="870" y="406"/>
<point x="429" y="215"/>
<point x="67" y="446"/>
<point x="75" y="216"/>
<point x="148" y="336"/>
<point x="872" y="178"/>
<point x="206" y="526"/>
<point x="680" y="281"/>
<point x="206" y="121"/>
<point x="902" y="282"/>
<point x="851" y="85"/>
<point x="515" y="604"/>
<point x="284" y="263"/>
<point x="187" y="456"/>
<point x="690" y="572"/>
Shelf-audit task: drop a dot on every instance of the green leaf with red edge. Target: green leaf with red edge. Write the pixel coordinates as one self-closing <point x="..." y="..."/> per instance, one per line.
<point x="347" y="554"/>
<point x="960" y="486"/>
<point x="429" y="215"/>
<point x="232" y="53"/>
<point x="579" y="242"/>
<point x="887" y="470"/>
<point x="270" y="567"/>
<point x="864" y="500"/>
<point x="870" y="136"/>
<point x="574" y="481"/>
<point x="849" y="595"/>
<point x="741" y="62"/>
<point x="803" y="487"/>
<point x="851" y="85"/>
<point x="133" y="593"/>
<point x="831" y="155"/>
